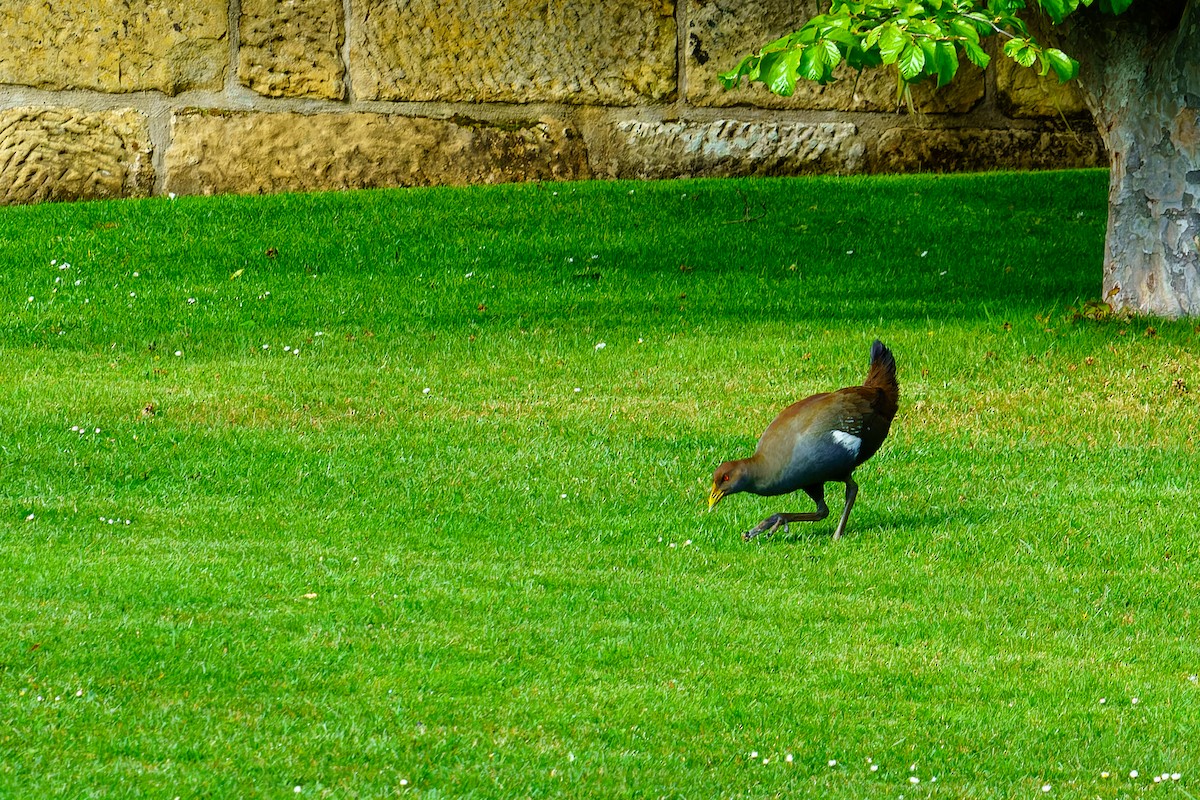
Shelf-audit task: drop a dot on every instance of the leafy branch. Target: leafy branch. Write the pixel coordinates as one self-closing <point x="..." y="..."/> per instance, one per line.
<point x="924" y="40"/>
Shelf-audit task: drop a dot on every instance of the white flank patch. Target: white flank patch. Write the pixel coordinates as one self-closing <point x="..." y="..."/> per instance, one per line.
<point x="849" y="441"/>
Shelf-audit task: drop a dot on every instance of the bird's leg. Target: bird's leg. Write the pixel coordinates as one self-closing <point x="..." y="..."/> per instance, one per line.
<point x="777" y="521"/>
<point x="851" y="493"/>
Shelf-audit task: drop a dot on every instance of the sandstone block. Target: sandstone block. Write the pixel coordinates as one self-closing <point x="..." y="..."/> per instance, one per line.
<point x="1022" y="93"/>
<point x="292" y="49"/>
<point x="653" y="150"/>
<point x="70" y="154"/>
<point x="114" y="45"/>
<point x="721" y="33"/>
<point x="285" y="152"/>
<point x="977" y="150"/>
<point x="514" y="51"/>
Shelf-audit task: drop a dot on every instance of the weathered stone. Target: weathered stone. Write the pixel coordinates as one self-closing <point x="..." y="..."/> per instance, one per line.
<point x="1022" y="93"/>
<point x="264" y="152"/>
<point x="70" y="154"/>
<point x="722" y="32"/>
<point x="514" y="51"/>
<point x="976" y="150"/>
<point x="114" y="45"/>
<point x="291" y="49"/>
<point x="654" y="150"/>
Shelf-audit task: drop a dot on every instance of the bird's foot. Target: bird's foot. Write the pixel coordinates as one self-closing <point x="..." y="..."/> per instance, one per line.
<point x="768" y="527"/>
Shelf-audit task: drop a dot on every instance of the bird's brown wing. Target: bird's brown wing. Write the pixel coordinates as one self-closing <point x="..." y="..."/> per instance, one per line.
<point x="865" y="412"/>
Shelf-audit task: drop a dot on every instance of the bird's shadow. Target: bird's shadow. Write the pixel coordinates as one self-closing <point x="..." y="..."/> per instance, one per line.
<point x="815" y="531"/>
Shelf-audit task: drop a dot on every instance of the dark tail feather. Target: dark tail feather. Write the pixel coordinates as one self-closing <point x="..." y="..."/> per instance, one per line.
<point x="882" y="374"/>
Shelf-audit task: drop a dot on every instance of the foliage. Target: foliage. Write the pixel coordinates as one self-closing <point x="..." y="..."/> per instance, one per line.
<point x="455" y="548"/>
<point x="923" y="40"/>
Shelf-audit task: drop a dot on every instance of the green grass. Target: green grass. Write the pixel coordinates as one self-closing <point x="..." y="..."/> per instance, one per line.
<point x="455" y="548"/>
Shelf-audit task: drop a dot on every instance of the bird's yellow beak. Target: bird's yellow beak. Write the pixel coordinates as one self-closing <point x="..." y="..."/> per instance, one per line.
<point x="714" y="497"/>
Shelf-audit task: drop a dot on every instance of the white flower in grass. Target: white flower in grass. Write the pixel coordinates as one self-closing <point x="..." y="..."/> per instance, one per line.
<point x="1133" y="773"/>
<point x="1045" y="787"/>
<point x="600" y="345"/>
<point x="788" y="758"/>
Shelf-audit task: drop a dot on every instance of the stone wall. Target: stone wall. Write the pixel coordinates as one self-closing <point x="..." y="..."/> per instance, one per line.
<point x="129" y="98"/>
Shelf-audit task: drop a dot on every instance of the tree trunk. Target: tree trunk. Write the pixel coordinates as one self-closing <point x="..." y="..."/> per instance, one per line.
<point x="1140" y="73"/>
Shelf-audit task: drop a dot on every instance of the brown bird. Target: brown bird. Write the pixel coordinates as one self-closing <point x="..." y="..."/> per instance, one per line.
<point x="819" y="439"/>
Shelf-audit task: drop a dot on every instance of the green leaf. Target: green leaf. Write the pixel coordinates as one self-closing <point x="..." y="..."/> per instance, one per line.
<point x="964" y="29"/>
<point x="945" y="60"/>
<point x="779" y="73"/>
<point x="812" y="64"/>
<point x="892" y="42"/>
<point x="833" y="55"/>
<point x="976" y="54"/>
<point x="1063" y="65"/>
<point x="733" y="77"/>
<point x="1020" y="51"/>
<point x="1115" y="6"/>
<point x="911" y="62"/>
<point x="1057" y="9"/>
<point x="871" y="39"/>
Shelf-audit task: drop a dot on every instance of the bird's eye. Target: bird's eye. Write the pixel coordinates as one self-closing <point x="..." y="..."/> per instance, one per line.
<point x="725" y="478"/>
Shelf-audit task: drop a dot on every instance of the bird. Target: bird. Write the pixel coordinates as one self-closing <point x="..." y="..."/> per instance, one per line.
<point x="820" y="439"/>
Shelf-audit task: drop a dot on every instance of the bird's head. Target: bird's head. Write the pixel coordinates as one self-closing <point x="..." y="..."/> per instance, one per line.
<point x="730" y="478"/>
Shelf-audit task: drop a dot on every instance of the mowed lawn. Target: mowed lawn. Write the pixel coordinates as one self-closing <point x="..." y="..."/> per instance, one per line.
<point x="402" y="493"/>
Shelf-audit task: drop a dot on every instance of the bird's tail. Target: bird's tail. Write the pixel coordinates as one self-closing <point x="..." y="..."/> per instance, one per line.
<point x="882" y="374"/>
